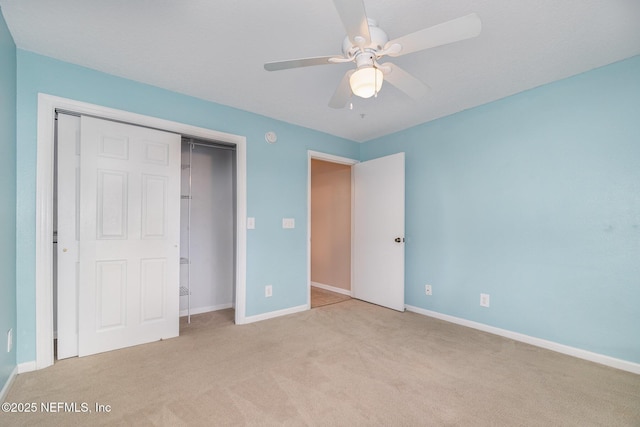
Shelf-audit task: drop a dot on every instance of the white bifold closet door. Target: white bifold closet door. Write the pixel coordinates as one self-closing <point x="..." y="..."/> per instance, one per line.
<point x="129" y="233"/>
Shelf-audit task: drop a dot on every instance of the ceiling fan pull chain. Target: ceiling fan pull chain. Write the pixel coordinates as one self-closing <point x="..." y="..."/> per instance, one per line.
<point x="375" y="82"/>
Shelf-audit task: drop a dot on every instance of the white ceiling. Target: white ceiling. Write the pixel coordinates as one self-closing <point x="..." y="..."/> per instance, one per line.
<point x="215" y="50"/>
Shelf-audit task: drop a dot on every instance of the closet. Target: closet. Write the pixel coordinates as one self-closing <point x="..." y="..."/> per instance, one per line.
<point x="207" y="216"/>
<point x="135" y="292"/>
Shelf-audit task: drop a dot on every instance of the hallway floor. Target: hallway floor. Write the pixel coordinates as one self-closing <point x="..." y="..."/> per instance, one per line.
<point x="321" y="297"/>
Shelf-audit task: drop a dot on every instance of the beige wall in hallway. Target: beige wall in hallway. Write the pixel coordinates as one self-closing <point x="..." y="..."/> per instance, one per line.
<point x="331" y="224"/>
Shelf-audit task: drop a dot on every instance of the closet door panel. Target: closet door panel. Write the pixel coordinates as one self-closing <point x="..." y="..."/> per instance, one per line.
<point x="154" y="206"/>
<point x="129" y="235"/>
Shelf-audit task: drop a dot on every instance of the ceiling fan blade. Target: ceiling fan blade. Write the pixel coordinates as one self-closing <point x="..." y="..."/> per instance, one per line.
<point x="343" y="92"/>
<point x="354" y="19"/>
<point x="296" y="63"/>
<point x="455" y="30"/>
<point x="404" y="81"/>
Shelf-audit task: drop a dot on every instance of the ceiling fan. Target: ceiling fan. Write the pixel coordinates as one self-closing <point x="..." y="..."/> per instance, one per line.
<point x="365" y="44"/>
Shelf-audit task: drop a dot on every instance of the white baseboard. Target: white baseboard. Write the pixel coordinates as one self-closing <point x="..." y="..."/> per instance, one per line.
<point x="7" y="385"/>
<point x="538" y="342"/>
<point x="277" y="313"/>
<point x="331" y="288"/>
<point x="200" y="310"/>
<point x="27" y="367"/>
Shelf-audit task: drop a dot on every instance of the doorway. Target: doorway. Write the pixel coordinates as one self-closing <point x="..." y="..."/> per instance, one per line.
<point x="376" y="229"/>
<point x="330" y="225"/>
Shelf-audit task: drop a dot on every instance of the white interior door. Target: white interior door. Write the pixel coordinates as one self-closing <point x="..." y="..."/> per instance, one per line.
<point x="378" y="241"/>
<point x="129" y="235"/>
<point x="68" y="234"/>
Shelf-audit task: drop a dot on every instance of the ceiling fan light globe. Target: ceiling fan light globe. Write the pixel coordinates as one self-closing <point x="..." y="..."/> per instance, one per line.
<point x="366" y="82"/>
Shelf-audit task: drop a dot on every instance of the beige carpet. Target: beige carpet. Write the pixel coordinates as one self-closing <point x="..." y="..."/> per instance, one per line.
<point x="321" y="297"/>
<point x="347" y="364"/>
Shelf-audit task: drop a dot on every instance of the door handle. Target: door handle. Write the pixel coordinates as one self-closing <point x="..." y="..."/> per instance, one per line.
<point x="399" y="239"/>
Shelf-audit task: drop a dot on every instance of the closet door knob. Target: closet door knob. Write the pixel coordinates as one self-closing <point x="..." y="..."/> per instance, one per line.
<point x="64" y="249"/>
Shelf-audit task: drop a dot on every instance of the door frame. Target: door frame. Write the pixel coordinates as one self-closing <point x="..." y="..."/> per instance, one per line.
<point x="47" y="105"/>
<point x="317" y="155"/>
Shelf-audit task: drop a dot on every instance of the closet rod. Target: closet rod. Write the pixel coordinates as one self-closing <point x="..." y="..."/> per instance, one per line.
<point x="209" y="145"/>
<point x="188" y="138"/>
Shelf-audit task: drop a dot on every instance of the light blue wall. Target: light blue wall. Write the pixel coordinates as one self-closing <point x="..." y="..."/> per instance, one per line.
<point x="276" y="181"/>
<point x="7" y="198"/>
<point x="535" y="200"/>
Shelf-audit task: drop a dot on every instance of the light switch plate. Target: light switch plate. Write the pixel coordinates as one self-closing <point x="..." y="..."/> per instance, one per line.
<point x="288" y="223"/>
<point x="251" y="223"/>
<point x="484" y="300"/>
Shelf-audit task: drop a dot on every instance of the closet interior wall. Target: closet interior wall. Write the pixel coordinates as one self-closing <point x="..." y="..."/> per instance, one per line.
<point x="208" y="221"/>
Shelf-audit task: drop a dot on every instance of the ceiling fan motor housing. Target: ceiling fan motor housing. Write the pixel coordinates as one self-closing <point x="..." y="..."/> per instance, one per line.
<point x="378" y="39"/>
<point x="365" y="58"/>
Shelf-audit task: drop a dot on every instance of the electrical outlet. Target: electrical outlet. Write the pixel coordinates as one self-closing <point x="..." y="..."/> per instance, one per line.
<point x="484" y="300"/>
<point x="268" y="291"/>
<point x="9" y="340"/>
<point x="427" y="290"/>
